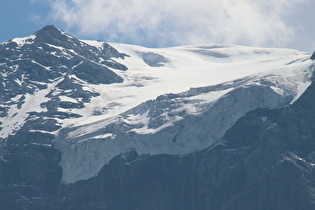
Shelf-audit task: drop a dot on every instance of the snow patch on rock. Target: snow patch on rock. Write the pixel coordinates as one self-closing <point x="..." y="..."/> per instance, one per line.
<point x="25" y="40"/>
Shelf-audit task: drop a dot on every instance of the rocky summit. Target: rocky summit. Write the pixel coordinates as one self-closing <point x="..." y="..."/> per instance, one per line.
<point x="93" y="125"/>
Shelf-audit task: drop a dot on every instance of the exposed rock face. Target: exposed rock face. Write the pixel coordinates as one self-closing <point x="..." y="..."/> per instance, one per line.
<point x="153" y="59"/>
<point x="48" y="72"/>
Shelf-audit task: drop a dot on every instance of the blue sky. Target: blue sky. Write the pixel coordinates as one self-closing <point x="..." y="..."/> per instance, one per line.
<point x="162" y="23"/>
<point x="17" y="18"/>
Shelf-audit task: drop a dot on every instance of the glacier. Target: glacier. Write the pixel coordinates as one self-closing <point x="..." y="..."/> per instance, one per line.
<point x="195" y="127"/>
<point x="184" y="102"/>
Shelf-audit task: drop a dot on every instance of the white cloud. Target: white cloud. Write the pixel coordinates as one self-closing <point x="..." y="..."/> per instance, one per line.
<point x="177" y="22"/>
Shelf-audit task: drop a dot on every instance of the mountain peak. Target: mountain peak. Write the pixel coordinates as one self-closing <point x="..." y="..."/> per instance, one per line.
<point x="50" y="27"/>
<point x="51" y="34"/>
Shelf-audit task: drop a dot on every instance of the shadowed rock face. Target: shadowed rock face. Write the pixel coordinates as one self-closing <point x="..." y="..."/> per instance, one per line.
<point x="153" y="59"/>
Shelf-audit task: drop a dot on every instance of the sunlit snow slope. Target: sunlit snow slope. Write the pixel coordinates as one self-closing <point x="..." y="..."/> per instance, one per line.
<point x="176" y="101"/>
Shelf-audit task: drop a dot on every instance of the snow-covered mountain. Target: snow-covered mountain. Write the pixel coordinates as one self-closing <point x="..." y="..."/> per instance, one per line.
<point x="89" y="101"/>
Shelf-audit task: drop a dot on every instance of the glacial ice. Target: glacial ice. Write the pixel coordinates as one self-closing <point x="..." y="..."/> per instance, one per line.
<point x="171" y="120"/>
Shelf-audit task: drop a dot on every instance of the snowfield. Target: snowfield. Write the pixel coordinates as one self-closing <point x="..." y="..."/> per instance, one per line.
<point x="176" y="101"/>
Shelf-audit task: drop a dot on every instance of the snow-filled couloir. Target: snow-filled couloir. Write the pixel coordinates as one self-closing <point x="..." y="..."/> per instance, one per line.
<point x="176" y="101"/>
